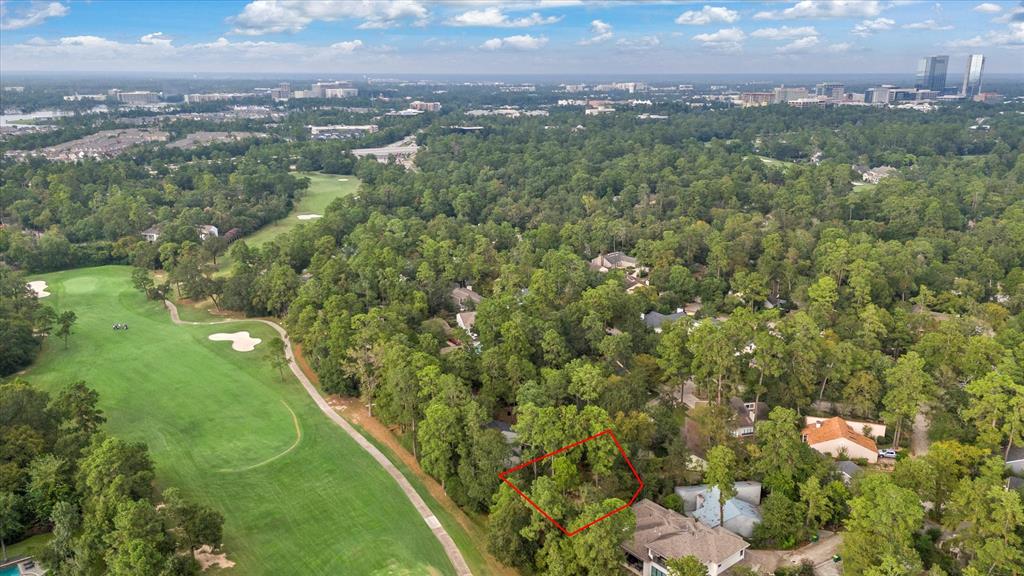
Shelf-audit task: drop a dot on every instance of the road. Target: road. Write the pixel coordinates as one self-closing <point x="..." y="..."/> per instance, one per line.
<point x="454" y="555"/>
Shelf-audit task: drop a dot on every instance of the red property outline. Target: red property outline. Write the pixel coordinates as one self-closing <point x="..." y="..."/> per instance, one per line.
<point x="504" y="478"/>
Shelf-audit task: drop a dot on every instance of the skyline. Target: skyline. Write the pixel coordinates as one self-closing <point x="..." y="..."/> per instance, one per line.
<point x="517" y="37"/>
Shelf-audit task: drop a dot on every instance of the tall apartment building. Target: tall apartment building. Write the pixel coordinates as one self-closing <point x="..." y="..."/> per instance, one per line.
<point x="972" y="76"/>
<point x="931" y="73"/>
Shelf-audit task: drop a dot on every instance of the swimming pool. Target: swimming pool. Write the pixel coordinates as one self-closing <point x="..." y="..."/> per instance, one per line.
<point x="11" y="570"/>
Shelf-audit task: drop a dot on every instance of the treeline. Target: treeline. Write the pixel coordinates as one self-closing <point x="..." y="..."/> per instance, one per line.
<point x="59" y="472"/>
<point x="61" y="215"/>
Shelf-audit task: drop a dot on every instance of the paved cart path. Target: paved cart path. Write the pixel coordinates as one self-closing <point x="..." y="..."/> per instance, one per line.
<point x="435" y="525"/>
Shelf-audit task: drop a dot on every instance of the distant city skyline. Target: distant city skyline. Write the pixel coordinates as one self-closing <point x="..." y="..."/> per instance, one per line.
<point x="509" y="37"/>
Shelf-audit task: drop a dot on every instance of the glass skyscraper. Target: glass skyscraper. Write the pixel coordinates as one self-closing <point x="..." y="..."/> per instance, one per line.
<point x="931" y="73"/>
<point x="972" y="76"/>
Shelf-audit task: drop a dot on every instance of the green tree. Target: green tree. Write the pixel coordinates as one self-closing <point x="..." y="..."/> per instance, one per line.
<point x="65" y="321"/>
<point x="10" y="519"/>
<point x="987" y="520"/>
<point x="686" y="566"/>
<point x="721" y="474"/>
<point x="782" y="522"/>
<point x="883" y="519"/>
<point x="910" y="387"/>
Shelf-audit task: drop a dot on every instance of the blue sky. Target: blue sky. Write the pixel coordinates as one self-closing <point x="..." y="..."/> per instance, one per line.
<point x="513" y="36"/>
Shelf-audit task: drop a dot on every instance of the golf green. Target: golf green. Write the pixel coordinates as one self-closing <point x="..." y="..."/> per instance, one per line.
<point x="298" y="495"/>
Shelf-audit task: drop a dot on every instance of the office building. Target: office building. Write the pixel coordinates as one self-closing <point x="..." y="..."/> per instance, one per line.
<point x="931" y="73"/>
<point x="748" y="99"/>
<point x="282" y="92"/>
<point x="972" y="76"/>
<point x="830" y="90"/>
<point x="425" y="106"/>
<point x="341" y="92"/>
<point x="784" y="94"/>
<point x="879" y="94"/>
<point x="138" y="98"/>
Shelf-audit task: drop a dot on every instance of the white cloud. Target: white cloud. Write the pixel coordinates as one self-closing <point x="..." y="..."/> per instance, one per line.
<point x="784" y="32"/>
<point x="520" y="42"/>
<point x="869" y="27"/>
<point x="346" y="47"/>
<point x="1015" y="14"/>
<point x="928" y="24"/>
<point x="988" y="8"/>
<point x="90" y="42"/>
<point x="35" y="13"/>
<point x="600" y="31"/>
<point x="725" y="40"/>
<point x="824" y="9"/>
<point x="798" y="45"/>
<point x="495" y="18"/>
<point x="276" y="16"/>
<point x="641" y="43"/>
<point x="1013" y="36"/>
<point x="839" y="48"/>
<point x="156" y="39"/>
<point x="707" y="15"/>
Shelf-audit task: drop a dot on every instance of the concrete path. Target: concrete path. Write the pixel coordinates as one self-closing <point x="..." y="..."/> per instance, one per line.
<point x="919" y="435"/>
<point x="454" y="555"/>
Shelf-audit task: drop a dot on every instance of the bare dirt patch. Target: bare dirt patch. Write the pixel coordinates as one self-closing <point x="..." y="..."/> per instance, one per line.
<point x="207" y="558"/>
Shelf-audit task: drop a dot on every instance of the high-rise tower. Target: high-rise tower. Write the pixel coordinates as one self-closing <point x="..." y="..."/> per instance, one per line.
<point x="931" y="73"/>
<point x="972" y="76"/>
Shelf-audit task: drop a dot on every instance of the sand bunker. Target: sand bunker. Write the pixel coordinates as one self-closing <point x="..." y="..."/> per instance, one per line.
<point x="240" y="341"/>
<point x="342" y="179"/>
<point x="39" y="287"/>
<point x="309" y="216"/>
<point x="206" y="558"/>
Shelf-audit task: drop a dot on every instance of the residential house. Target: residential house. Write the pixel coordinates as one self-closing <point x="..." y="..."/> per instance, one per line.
<point x="207" y="231"/>
<point x="151" y="234"/>
<point x="876" y="175"/>
<point x="1015" y="460"/>
<point x="613" y="261"/>
<point x="655" y="319"/>
<point x="662" y="534"/>
<point x="466" y="321"/>
<point x="848" y="470"/>
<point x="465" y="298"/>
<point x="835" y="436"/>
<point x="747" y="416"/>
<point x="874" y="430"/>
<point x="739" y="515"/>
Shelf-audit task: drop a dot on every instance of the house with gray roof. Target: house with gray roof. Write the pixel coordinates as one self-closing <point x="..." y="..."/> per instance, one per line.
<point x="655" y="319"/>
<point x="848" y="470"/>
<point x="662" y="534"/>
<point x="739" y="515"/>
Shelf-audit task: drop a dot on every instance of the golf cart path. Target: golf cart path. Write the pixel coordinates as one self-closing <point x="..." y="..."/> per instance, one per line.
<point x="454" y="555"/>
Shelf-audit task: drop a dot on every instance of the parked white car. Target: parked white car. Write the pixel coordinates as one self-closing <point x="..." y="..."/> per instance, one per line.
<point x="887" y="453"/>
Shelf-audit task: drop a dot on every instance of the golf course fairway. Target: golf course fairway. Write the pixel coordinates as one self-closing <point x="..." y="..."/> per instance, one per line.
<point x="298" y="495"/>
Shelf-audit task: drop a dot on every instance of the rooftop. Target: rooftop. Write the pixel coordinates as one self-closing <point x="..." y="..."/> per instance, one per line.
<point x="834" y="429"/>
<point x="671" y="535"/>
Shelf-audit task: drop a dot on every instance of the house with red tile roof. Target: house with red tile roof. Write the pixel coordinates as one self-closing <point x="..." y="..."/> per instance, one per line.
<point x="835" y="436"/>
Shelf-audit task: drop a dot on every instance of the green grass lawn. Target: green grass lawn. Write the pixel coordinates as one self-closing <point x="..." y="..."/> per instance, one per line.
<point x="215" y="419"/>
<point x="323" y="189"/>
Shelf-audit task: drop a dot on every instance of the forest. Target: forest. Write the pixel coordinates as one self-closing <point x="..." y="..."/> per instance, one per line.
<point x="817" y="294"/>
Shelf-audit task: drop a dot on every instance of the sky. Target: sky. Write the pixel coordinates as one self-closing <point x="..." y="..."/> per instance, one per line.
<point x="493" y="37"/>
